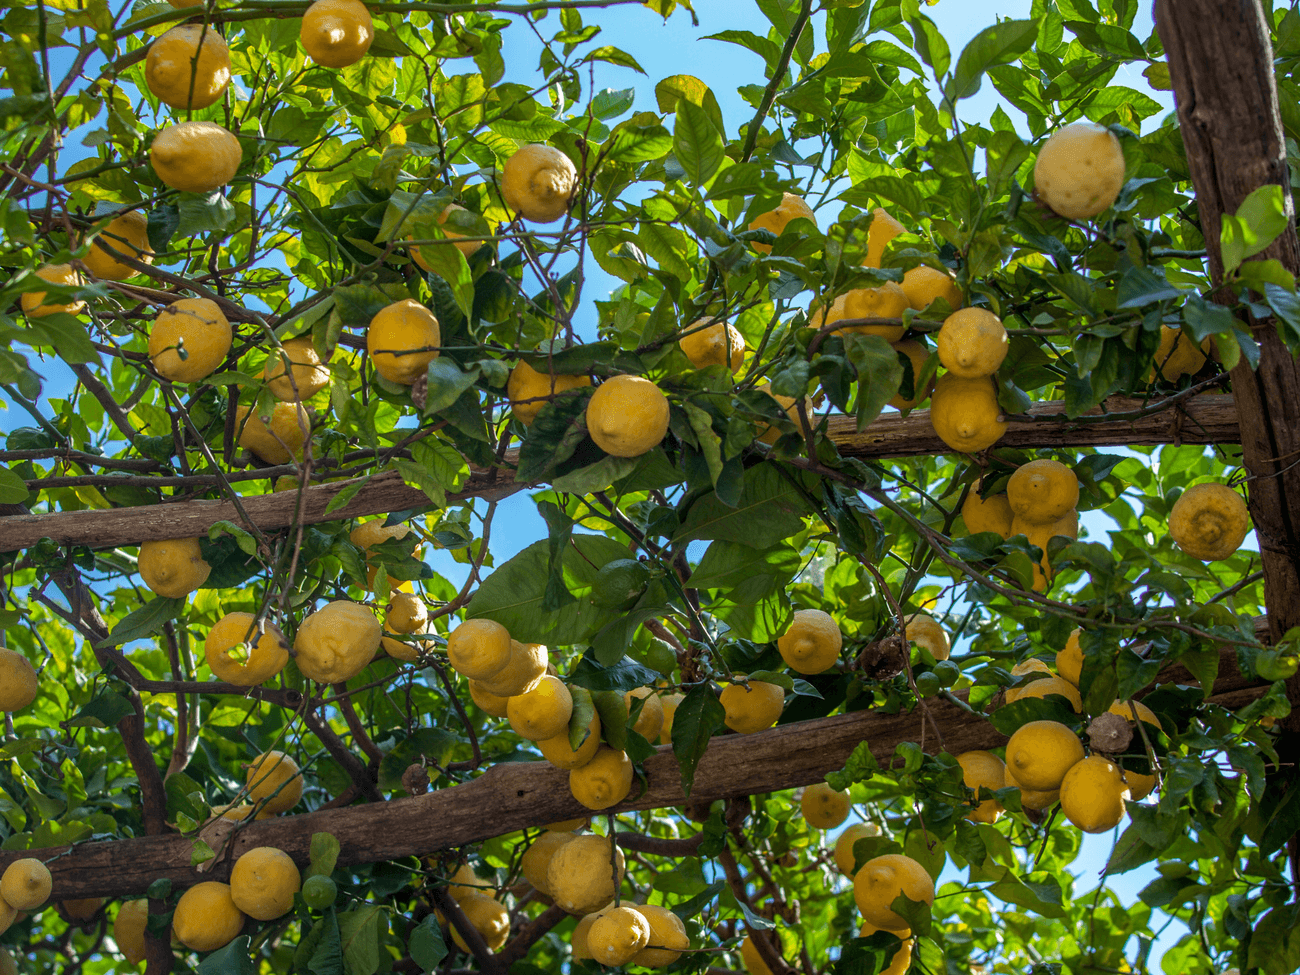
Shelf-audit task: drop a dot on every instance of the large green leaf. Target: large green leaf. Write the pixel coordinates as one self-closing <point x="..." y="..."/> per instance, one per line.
<point x="771" y="508"/>
<point x="696" y="142"/>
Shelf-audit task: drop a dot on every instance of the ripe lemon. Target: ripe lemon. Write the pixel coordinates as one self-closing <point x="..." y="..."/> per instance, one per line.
<point x="753" y="708"/>
<point x="651" y="719"/>
<point x="206" y="917"/>
<point x="466" y="247"/>
<point x="1041" y="535"/>
<point x="1080" y="170"/>
<point x="668" y="938"/>
<point x="26" y="884"/>
<point x="568" y="825"/>
<point x="1041" y="752"/>
<point x="537" y="858"/>
<point x="402" y="340"/>
<point x="1043" y="491"/>
<point x="195" y="326"/>
<point x="991" y="514"/>
<point x="274" y="777"/>
<point x="489" y="918"/>
<point x="337" y="642"/>
<point x="530" y="390"/>
<point x="406" y="614"/>
<point x="82" y="909"/>
<point x="886" y="301"/>
<point x="188" y="67"/>
<point x="306" y="373"/>
<point x="8" y="915"/>
<point x="578" y="939"/>
<point x="336" y="33"/>
<point x="371" y="533"/>
<point x="18" y="683"/>
<point x="1031" y="799"/>
<point x="918" y="355"/>
<point x="627" y="416"/>
<point x="824" y="807"/>
<point x="257" y="657"/>
<point x="965" y="413"/>
<point x="1031" y="666"/>
<point x="812" y="643"/>
<point x="769" y="434"/>
<point x="884" y="228"/>
<point x="983" y="770"/>
<point x="1145" y="714"/>
<point x="541" y="712"/>
<point x="604" y="781"/>
<point x="925" y="285"/>
<point x="537" y="181"/>
<point x="882" y="880"/>
<point x="406" y="652"/>
<point x="926" y="631"/>
<point x="752" y="960"/>
<point x="263" y="882"/>
<point x="282" y="439"/>
<point x="902" y="958"/>
<point x="972" y="343"/>
<point x="1209" y="521"/>
<point x="33" y="302"/>
<point x="1069" y="661"/>
<point x="669" y="704"/>
<point x="525" y="669"/>
<point x="616" y="935"/>
<point x="493" y="704"/>
<point x="128" y="929"/>
<point x="128" y="234"/>
<point x="1093" y="794"/>
<point x="479" y="649"/>
<point x="790" y="208"/>
<point x="1178" y="355"/>
<point x="709" y="342"/>
<point x="174" y="567"/>
<point x="844" y="845"/>
<point x="584" y="874"/>
<point x="466" y="882"/>
<point x="1053" y="685"/>
<point x="195" y="157"/>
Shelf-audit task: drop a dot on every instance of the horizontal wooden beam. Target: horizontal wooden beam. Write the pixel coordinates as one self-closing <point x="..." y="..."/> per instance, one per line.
<point x="1204" y="419"/>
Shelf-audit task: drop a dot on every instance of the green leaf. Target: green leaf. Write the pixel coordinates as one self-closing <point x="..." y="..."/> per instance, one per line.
<point x="359" y="933"/>
<point x="67" y="335"/>
<point x="639" y="139"/>
<point x="880" y="374"/>
<point x="145" y="621"/>
<point x="697" y="144"/>
<point x="584" y="707"/>
<point x="426" y="946"/>
<point x="201" y="213"/>
<point x="234" y="959"/>
<point x="327" y="956"/>
<point x="770" y="509"/>
<point x="447" y="381"/>
<point x="324" y="855"/>
<point x="104" y="711"/>
<point x="12" y="488"/>
<point x="597" y="476"/>
<point x="699" y="715"/>
<point x="450" y="265"/>
<point x="434" y="743"/>
<point x="612" y="708"/>
<point x="1000" y="44"/>
<point x="1261" y="218"/>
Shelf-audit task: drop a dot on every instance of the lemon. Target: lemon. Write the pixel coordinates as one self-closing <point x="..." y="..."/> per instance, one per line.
<point x="982" y="769"/>
<point x="258" y="656"/>
<point x="884" y="228"/>
<point x="669" y="704"/>
<point x="402" y="340"/>
<point x="1053" y="685"/>
<point x="537" y="858"/>
<point x="128" y="929"/>
<point x="791" y="207"/>
<point x="1093" y="794"/>
<point x="82" y="909"/>
<point x="1080" y="170"/>
<point x="1031" y="799"/>
<point x="753" y="961"/>
<point x="1209" y="521"/>
<point x="627" y="416"/>
<point x="1178" y="355"/>
<point x="972" y="343"/>
<point x="466" y="247"/>
<point x="924" y="285"/>
<point x="651" y="719"/>
<point x="206" y="917"/>
<point x="493" y="704"/>
<point x="824" y="807"/>
<point x="886" y="301"/>
<point x="188" y="67"/>
<point x="541" y="712"/>
<point x="710" y="342"/>
<point x="371" y="533"/>
<point x="406" y="652"/>
<point x="1042" y="492"/>
<point x="620" y="583"/>
<point x="195" y="327"/>
<point x="1041" y="535"/>
<point x="18" y="682"/>
<point x="337" y="642"/>
<point x="616" y="935"/>
<point x="306" y="373"/>
<point x="918" y="355"/>
<point x="753" y="708"/>
<point x="578" y="939"/>
<point x="537" y="182"/>
<point x="584" y="874"/>
<point x="33" y="302"/>
<point x="812" y="642"/>
<point x="530" y="390"/>
<point x="174" y="567"/>
<point x="479" y="649"/>
<point x="1144" y="713"/>
<point x="263" y="882"/>
<point x="1040" y="753"/>
<point x="1069" y="661"/>
<point x="844" y="844"/>
<point x="525" y="669"/>
<point x="489" y="918"/>
<point x="336" y="33"/>
<point x="668" y="938"/>
<point x="926" y="631"/>
<point x="965" y="413"/>
<point x="406" y="614"/>
<point x="1031" y="666"/>
<point x="568" y="825"/>
<point x="274" y="777"/>
<point x="991" y="514"/>
<point x="278" y="442"/>
<point x="8" y="914"/>
<point x="604" y="781"/>
<point x="26" y="884"/>
<point x="1139" y="786"/>
<point x="195" y="157"/>
<point x="466" y="882"/>
<point x="128" y="234"/>
<point x="902" y="958"/>
<point x="882" y="880"/>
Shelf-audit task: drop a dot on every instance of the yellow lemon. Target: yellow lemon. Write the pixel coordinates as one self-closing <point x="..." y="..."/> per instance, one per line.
<point x="195" y="157"/>
<point x="279" y="441"/>
<point x="1178" y="355"/>
<point x="466" y="882"/>
<point x="128" y="234"/>
<point x="1093" y="794"/>
<point x="1041" y="535"/>
<point x="1031" y="666"/>
<point x="1139" y="786"/>
<point x="466" y="247"/>
<point x="965" y="413"/>
<point x="18" y="683"/>
<point x="306" y="374"/>
<point x="902" y="958"/>
<point x="263" y="882"/>
<point x="8" y="914"/>
<point x="972" y="343"/>
<point x="616" y="935"/>
<point x="1125" y="710"/>
<point x="1043" y="491"/>
<point x="537" y="182"/>
<point x="604" y="781"/>
<point x="886" y="301"/>
<point x="812" y="643"/>
<point x="406" y="652"/>
<point x="478" y="649"/>
<point x="206" y="917"/>
<point x="259" y="654"/>
<point x="371" y="533"/>
<point x="924" y="285"/>
<point x="541" y="712"/>
<point x="1080" y="170"/>
<point x="627" y="416"/>
<point x="128" y="929"/>
<point x="668" y="938"/>
<point x="336" y="33"/>
<point x="917" y="354"/>
<point x="188" y="67"/>
<point x="753" y="708"/>
<point x="274" y="777"/>
<point x="751" y="958"/>
<point x="402" y="340"/>
<point x="537" y="858"/>
<point x="581" y="878"/>
<point x="991" y="514"/>
<point x="1209" y="521"/>
<point x="1069" y="661"/>
<point x="884" y="228"/>
<point x="844" y="844"/>
<point x="82" y="909"/>
<point x="669" y="704"/>
<point x="983" y="770"/>
<point x="530" y="390"/>
<point x="1053" y="685"/>
<point x="33" y="302"/>
<point x="406" y="614"/>
<point x="885" y="878"/>
<point x="1041" y="752"/>
<point x="493" y="704"/>
<point x="710" y="342"/>
<point x="790" y="208"/>
<point x="196" y="328"/>
<point x="1031" y="799"/>
<point x="926" y="631"/>
<point x="174" y="567"/>
<point x="578" y="939"/>
<point x="489" y="918"/>
<point x="651" y="719"/>
<point x="337" y="642"/>
<point x="26" y="884"/>
<point x="824" y="807"/>
<point x="525" y="669"/>
<point x="567" y="825"/>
